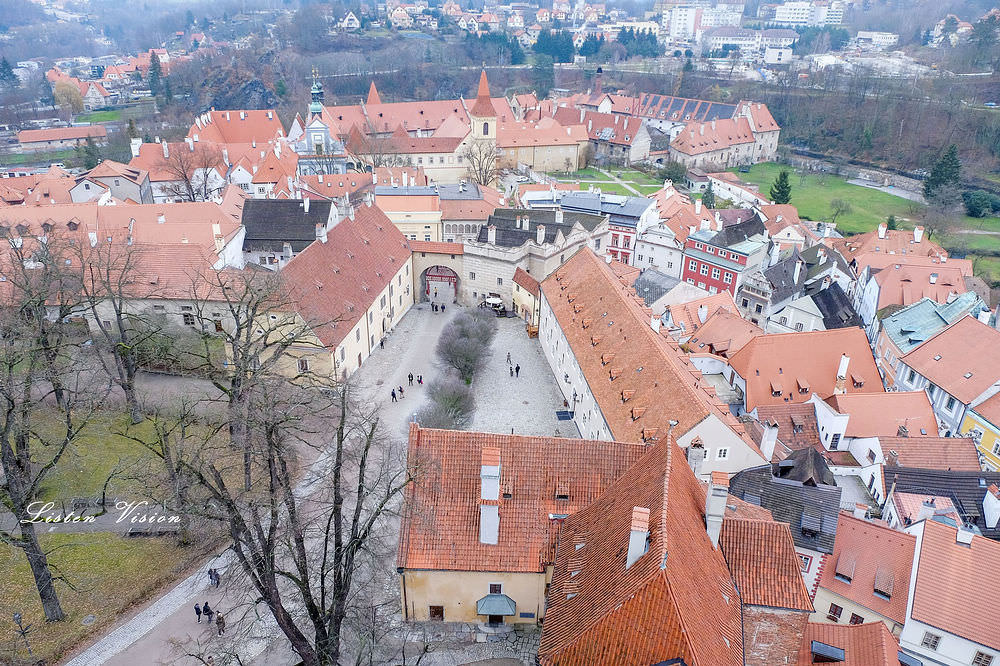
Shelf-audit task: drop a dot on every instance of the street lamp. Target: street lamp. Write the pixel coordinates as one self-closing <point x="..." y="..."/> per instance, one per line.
<point x="23" y="631"/>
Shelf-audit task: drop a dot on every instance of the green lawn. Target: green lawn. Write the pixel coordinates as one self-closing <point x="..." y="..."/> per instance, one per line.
<point x="812" y="195"/>
<point x="37" y="158"/>
<point x="110" y="574"/>
<point x="100" y="116"/>
<point x="987" y="268"/>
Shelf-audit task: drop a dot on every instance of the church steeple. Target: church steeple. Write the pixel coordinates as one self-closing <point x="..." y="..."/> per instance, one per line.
<point x="483" y="115"/>
<point x="316" y="105"/>
<point x="373" y="97"/>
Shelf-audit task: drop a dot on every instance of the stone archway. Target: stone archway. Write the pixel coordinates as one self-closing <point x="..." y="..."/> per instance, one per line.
<point x="439" y="284"/>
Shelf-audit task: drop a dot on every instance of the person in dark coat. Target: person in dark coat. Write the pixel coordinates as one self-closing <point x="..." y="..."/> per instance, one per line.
<point x="394" y="395"/>
<point x="410" y="377"/>
<point x="207" y="611"/>
<point x="197" y="611"/>
<point x="517" y="370"/>
<point x="220" y="624"/>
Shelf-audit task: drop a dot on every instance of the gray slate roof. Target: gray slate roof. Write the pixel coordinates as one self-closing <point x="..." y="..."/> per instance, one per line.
<point x="508" y="235"/>
<point x="652" y="285"/>
<point x="623" y="210"/>
<point x="965" y="490"/>
<point x="836" y="307"/>
<point x="270" y="223"/>
<point x="810" y="510"/>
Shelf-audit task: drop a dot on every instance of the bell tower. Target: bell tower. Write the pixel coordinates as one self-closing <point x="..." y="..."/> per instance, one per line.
<point x="316" y="105"/>
<point x="482" y="115"/>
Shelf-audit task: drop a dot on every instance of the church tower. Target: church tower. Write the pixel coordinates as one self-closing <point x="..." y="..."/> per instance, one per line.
<point x="316" y="105"/>
<point x="482" y="115"/>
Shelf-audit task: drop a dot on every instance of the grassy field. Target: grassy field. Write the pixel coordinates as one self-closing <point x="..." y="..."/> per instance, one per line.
<point x="110" y="574"/>
<point x="812" y="195"/>
<point x="100" y="116"/>
<point x="640" y="182"/>
<point x="36" y="158"/>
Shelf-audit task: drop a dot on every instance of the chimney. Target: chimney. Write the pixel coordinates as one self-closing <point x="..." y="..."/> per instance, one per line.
<point x="769" y="438"/>
<point x="715" y="505"/>
<point x="583" y="114"/>
<point x="190" y="143"/>
<point x="798" y="271"/>
<point x="882" y="228"/>
<point x="225" y="156"/>
<point x="406" y="179"/>
<point x="702" y="313"/>
<point x="902" y="431"/>
<point x="702" y="130"/>
<point x="713" y="125"/>
<point x="964" y="536"/>
<point x="540" y="234"/>
<point x="559" y="216"/>
<point x="697" y="206"/>
<point x="984" y="317"/>
<point x="821" y="255"/>
<point x="489" y="514"/>
<point x="320" y="232"/>
<point x="166" y="150"/>
<point x="933" y="278"/>
<point x="253" y="143"/>
<point x="927" y="509"/>
<point x="918" y="234"/>
<point x="305" y="205"/>
<point x="991" y="506"/>
<point x="638" y="537"/>
<point x="654" y="323"/>
<point x="491" y="234"/>
<point x="135" y="144"/>
<point x="374" y="178"/>
<point x="160" y="219"/>
<point x="827" y="230"/>
<point x="696" y="455"/>
<point x="841" y="386"/>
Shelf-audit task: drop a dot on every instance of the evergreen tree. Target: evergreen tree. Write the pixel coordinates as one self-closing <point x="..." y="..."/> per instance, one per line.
<point x="168" y="93"/>
<point x="8" y="79"/>
<point x="543" y="76"/>
<point x="155" y="74"/>
<point x="708" y="198"/>
<point x="131" y="131"/>
<point x="89" y="154"/>
<point x="891" y="223"/>
<point x="945" y="172"/>
<point x="781" y="190"/>
<point x="689" y="66"/>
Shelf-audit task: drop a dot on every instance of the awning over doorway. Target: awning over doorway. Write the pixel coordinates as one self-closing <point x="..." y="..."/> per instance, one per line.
<point x="495" y="604"/>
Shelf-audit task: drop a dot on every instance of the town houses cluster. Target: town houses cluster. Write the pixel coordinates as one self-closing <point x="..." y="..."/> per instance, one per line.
<point x="788" y="439"/>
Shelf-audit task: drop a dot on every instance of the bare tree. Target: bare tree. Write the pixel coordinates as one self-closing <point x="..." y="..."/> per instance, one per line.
<point x="191" y="169"/>
<point x="301" y="556"/>
<point x="942" y="213"/>
<point x="839" y="207"/>
<point x="480" y="157"/>
<point x="111" y="278"/>
<point x="37" y="350"/>
<point x="375" y="149"/>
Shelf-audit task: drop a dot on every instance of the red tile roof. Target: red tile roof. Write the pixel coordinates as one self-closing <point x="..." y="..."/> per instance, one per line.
<point x="238" y="126"/>
<point x="437" y="247"/>
<point x="676" y="600"/>
<point x="193" y="157"/>
<point x="868" y="644"/>
<point x="62" y="133"/>
<point x="721" y="134"/>
<point x="723" y="333"/>
<point x="440" y="524"/>
<point x="907" y="282"/>
<point x="483" y="108"/>
<point x="787" y="416"/>
<point x="909" y="507"/>
<point x="761" y="557"/>
<point x="608" y="329"/>
<point x="954" y="453"/>
<point x="989" y="409"/>
<point x="776" y="363"/>
<point x="896" y="241"/>
<point x="865" y="551"/>
<point x="685" y="316"/>
<point x="962" y="359"/>
<point x="527" y="282"/>
<point x="951" y="591"/>
<point x="610" y="127"/>
<point x="336" y="282"/>
<point x="882" y="414"/>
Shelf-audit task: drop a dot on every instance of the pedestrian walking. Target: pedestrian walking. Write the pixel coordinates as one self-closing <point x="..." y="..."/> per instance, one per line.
<point x="400" y="392"/>
<point x="211" y="576"/>
<point x="511" y="370"/>
<point x="517" y="370"/>
<point x="508" y="358"/>
<point x="435" y="292"/>
<point x="207" y="611"/>
<point x="210" y="660"/>
<point x="220" y="624"/>
<point x="394" y="395"/>
<point x="218" y="577"/>
<point x="410" y="377"/>
<point x="381" y="343"/>
<point x="197" y="611"/>
<point x="420" y="379"/>
<point x="442" y="307"/>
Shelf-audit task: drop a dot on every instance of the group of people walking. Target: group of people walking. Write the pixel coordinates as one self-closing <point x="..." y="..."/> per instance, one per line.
<point x="214" y="579"/>
<point x="515" y="368"/>
<point x="398" y="393"/>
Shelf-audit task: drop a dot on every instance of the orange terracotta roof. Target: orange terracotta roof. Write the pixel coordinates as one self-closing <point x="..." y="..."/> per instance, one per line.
<point x="761" y="557"/>
<point x="275" y="169"/>
<point x="334" y="283"/>
<point x="238" y="126"/>
<point x="440" y="525"/>
<point x="608" y="330"/>
<point x="906" y="283"/>
<point x="527" y="282"/>
<point x="483" y="108"/>
<point x="687" y="316"/>
<point x="373" y="96"/>
<point x="962" y="359"/>
<point x="868" y="644"/>
<point x="436" y="247"/>
<point x="160" y="168"/>
<point x="896" y="242"/>
<point x="910" y="505"/>
<point x="882" y="414"/>
<point x="775" y="363"/>
<point x="600" y="126"/>
<point x="865" y="552"/>
<point x="989" y="409"/>
<point x="334" y="186"/>
<point x="797" y="427"/>
<point x="949" y="592"/>
<point x="676" y="600"/>
<point x="761" y="116"/>
<point x="698" y="138"/>
<point x="724" y="333"/>
<point x="469" y="209"/>
<point x="954" y="453"/>
<point x="677" y="213"/>
<point x="62" y="133"/>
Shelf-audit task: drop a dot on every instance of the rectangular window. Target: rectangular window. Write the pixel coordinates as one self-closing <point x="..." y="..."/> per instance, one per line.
<point x="746" y="303"/>
<point x="911" y="376"/>
<point x="499" y="282"/>
<point x="715" y="273"/>
<point x="930" y="641"/>
<point x="704" y="269"/>
<point x="835" y="613"/>
<point x="758" y="308"/>
<point x="835" y="441"/>
<point x="188" y="319"/>
<point x="806" y="562"/>
<point x="436" y="613"/>
<point x="950" y="405"/>
<point x="727" y="278"/>
<point x="693" y="265"/>
<point x="303" y="365"/>
<point x="722" y="454"/>
<point x="472" y="275"/>
<point x="856" y="619"/>
<point x="639" y="257"/>
<point x="496" y="588"/>
<point x="982" y="659"/>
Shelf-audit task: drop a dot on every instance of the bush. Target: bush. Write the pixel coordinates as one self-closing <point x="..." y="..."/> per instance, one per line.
<point x="451" y="404"/>
<point x="978" y="203"/>
<point x="464" y="344"/>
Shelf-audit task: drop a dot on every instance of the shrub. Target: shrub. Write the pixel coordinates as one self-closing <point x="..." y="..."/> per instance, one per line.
<point x="451" y="404"/>
<point x="978" y="203"/>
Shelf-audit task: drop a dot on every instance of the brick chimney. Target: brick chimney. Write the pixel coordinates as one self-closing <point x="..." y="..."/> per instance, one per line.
<point x="991" y="506"/>
<point x="540" y="234"/>
<point x="882" y="229"/>
<point x="715" y="505"/>
<point x="918" y="234"/>
<point x="489" y="510"/>
<point x="697" y="206"/>
<point x="638" y="537"/>
<point x="769" y="438"/>
<point x="696" y="455"/>
<point x="841" y="386"/>
<point x="491" y="234"/>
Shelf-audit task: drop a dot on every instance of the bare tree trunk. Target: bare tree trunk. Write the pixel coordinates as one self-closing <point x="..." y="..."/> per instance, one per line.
<point x="40" y="570"/>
